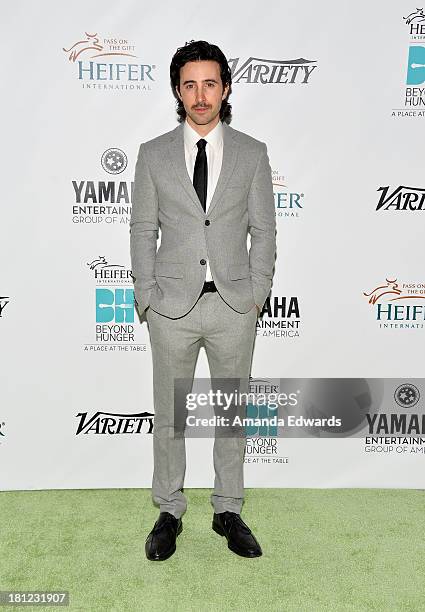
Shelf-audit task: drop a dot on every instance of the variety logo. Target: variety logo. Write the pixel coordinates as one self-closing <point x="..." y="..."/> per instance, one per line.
<point x="107" y="423"/>
<point x="401" y="198"/>
<point x="4" y="301"/>
<point x="279" y="318"/>
<point x="104" y="202"/>
<point x="289" y="204"/>
<point x="398" y="306"/>
<point x="114" y="308"/>
<point x="265" y="71"/>
<point x="111" y="75"/>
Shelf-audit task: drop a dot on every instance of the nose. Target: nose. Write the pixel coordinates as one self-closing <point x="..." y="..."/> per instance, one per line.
<point x="200" y="95"/>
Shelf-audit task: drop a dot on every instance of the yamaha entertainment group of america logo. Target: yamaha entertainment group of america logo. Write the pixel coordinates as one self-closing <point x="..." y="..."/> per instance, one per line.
<point x="279" y="318"/>
<point x="401" y="432"/>
<point x="108" y="64"/>
<point x="104" y="202"/>
<point x="414" y="90"/>
<point x="114" y="324"/>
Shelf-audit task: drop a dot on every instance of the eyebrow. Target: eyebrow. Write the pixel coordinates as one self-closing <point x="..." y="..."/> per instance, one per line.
<point x="193" y="81"/>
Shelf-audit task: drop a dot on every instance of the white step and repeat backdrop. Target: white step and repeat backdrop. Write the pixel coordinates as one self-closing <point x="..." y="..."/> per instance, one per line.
<point x="337" y="91"/>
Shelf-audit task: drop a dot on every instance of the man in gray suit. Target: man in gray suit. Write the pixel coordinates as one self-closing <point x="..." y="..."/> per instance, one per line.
<point x="206" y="186"/>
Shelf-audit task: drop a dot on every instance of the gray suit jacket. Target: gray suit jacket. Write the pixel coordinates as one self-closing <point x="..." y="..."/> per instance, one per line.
<point x="170" y="279"/>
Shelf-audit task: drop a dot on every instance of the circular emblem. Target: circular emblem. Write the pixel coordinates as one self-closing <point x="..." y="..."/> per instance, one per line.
<point x="114" y="161"/>
<point x="407" y="395"/>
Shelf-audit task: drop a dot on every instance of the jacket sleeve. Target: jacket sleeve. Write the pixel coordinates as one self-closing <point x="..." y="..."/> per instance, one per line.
<point x="262" y="228"/>
<point x="143" y="231"/>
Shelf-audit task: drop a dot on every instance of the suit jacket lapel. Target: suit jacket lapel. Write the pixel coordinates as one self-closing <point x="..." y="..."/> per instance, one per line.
<point x="178" y="160"/>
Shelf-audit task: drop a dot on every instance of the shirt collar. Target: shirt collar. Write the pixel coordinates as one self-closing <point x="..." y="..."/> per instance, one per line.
<point x="214" y="137"/>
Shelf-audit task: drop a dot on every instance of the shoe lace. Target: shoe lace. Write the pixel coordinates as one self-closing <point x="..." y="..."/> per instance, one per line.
<point x="233" y="519"/>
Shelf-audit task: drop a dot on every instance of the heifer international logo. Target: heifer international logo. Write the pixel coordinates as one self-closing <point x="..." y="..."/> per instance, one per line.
<point x="398" y="306"/>
<point x="113" y="75"/>
<point x="265" y="71"/>
<point x="92" y="47"/>
<point x="416" y="23"/>
<point x="109" y="423"/>
<point x="401" y="198"/>
<point x="288" y="203"/>
<point x="106" y="273"/>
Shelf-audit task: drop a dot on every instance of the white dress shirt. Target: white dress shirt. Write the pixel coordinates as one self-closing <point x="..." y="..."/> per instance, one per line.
<point x="214" y="150"/>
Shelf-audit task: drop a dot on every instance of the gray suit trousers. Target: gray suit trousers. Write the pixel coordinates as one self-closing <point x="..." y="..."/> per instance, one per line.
<point x="228" y="337"/>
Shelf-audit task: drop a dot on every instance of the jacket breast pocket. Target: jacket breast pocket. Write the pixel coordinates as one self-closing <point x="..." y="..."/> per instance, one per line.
<point x="169" y="269"/>
<point x="238" y="271"/>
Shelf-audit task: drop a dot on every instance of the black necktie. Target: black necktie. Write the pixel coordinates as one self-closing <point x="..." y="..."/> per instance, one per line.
<point x="200" y="173"/>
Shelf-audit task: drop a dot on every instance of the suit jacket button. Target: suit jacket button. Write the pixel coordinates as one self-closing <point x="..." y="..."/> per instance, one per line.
<point x="207" y="222"/>
<point x="202" y="262"/>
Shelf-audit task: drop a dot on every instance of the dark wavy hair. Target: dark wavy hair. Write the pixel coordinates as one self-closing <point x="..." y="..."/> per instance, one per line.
<point x="195" y="50"/>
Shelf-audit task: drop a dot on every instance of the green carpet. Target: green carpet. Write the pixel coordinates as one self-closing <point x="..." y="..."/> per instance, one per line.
<point x="336" y="550"/>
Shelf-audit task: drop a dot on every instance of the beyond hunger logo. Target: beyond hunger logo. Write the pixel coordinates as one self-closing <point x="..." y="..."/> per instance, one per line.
<point x="414" y="91"/>
<point x="108" y="201"/>
<point x="109" y="75"/>
<point x="401" y="198"/>
<point x="398" y="306"/>
<point x="262" y="444"/>
<point x="415" y="76"/>
<point x="265" y="71"/>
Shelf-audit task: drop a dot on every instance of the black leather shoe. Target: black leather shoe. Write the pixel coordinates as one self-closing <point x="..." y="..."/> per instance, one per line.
<point x="240" y="539"/>
<point x="161" y="542"/>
